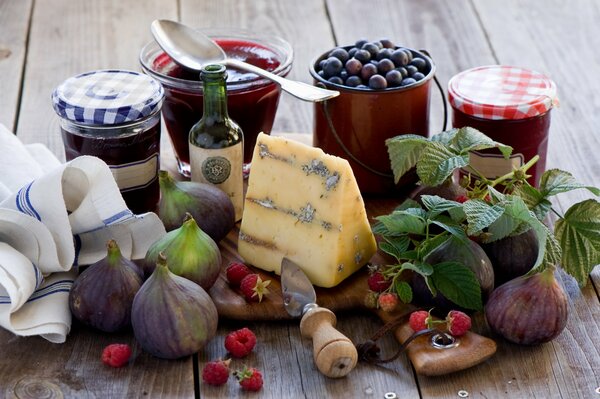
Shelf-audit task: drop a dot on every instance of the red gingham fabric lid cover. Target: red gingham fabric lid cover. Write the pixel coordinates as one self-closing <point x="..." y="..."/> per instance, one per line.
<point x="502" y="92"/>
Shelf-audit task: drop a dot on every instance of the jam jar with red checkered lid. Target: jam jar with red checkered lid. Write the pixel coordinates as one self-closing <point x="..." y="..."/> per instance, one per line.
<point x="509" y="104"/>
<point x="115" y="116"/>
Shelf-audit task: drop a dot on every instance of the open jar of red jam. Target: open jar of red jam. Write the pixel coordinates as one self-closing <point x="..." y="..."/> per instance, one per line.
<point x="115" y="116"/>
<point x="511" y="105"/>
<point x="251" y="100"/>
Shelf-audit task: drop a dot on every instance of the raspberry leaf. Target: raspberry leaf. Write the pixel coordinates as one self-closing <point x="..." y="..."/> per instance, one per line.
<point x="468" y="139"/>
<point x="437" y="162"/>
<point x="424" y="269"/>
<point x="555" y="181"/>
<point x="579" y="236"/>
<point x="395" y="246"/>
<point x="480" y="215"/>
<point x="437" y="205"/>
<point x="404" y="291"/>
<point x="404" y="152"/>
<point x="457" y="283"/>
<point x="535" y="200"/>
<point x="403" y="222"/>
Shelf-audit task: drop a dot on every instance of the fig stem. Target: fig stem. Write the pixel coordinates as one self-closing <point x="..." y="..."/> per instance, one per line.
<point x="113" y="252"/>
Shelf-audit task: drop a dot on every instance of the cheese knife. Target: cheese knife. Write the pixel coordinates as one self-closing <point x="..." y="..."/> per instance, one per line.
<point x="335" y="355"/>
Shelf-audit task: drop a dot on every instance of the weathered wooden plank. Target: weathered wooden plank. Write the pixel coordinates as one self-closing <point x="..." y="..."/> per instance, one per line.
<point x="14" y="21"/>
<point x="286" y="360"/>
<point x="71" y="37"/>
<point x="453" y="34"/>
<point x="302" y="23"/>
<point x="68" y="38"/>
<point x="33" y="367"/>
<point x="559" y="40"/>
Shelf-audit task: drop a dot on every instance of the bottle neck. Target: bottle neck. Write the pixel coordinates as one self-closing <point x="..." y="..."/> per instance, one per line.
<point x="215" y="99"/>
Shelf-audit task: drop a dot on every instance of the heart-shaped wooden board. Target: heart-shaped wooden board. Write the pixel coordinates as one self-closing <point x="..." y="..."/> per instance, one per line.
<point x="349" y="295"/>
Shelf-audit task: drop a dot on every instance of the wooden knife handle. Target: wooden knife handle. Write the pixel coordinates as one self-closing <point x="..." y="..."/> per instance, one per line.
<point x="335" y="355"/>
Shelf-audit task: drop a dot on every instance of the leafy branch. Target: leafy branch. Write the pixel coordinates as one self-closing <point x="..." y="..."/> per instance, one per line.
<point x="493" y="215"/>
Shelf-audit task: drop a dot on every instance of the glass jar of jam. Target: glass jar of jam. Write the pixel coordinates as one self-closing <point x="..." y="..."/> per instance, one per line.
<point x="251" y="100"/>
<point x="509" y="104"/>
<point x="115" y="116"/>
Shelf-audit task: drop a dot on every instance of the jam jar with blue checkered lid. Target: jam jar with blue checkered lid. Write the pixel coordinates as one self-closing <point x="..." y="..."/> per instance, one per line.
<point x="115" y="116"/>
<point x="512" y="106"/>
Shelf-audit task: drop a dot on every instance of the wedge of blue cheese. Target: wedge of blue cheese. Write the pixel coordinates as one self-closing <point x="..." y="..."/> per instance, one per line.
<point x="305" y="205"/>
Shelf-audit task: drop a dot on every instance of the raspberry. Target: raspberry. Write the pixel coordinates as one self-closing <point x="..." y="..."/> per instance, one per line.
<point x="236" y="272"/>
<point x="116" y="355"/>
<point x="216" y="372"/>
<point x="388" y="302"/>
<point x="419" y="320"/>
<point x="378" y="283"/>
<point x="462" y="199"/>
<point x="240" y="343"/>
<point x="250" y="379"/>
<point x="253" y="287"/>
<point x="458" y="323"/>
<point x="370" y="300"/>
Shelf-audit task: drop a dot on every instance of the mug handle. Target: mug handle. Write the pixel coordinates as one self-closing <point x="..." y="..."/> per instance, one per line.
<point x="442" y="94"/>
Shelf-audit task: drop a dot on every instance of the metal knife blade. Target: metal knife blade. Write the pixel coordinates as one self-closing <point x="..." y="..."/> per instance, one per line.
<point x="297" y="289"/>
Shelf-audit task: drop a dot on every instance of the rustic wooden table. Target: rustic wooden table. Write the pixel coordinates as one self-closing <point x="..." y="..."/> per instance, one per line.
<point x="45" y="41"/>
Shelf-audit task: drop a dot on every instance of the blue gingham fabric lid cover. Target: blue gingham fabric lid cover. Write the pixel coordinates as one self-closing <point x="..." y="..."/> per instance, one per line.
<point x="107" y="97"/>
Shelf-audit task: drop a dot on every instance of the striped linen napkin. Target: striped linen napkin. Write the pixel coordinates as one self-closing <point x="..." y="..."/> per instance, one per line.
<point x="53" y="218"/>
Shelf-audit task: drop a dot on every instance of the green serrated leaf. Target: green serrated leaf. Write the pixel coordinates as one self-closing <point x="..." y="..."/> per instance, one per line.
<point x="436" y="204"/>
<point x="424" y="269"/>
<point x="470" y="139"/>
<point x="579" y="236"/>
<point x="445" y="137"/>
<point x="553" y="253"/>
<point x="480" y="215"/>
<point x="408" y="203"/>
<point x="404" y="152"/>
<point x="437" y="162"/>
<point x="503" y="227"/>
<point x="432" y="243"/>
<point x="451" y="227"/>
<point x="402" y="222"/>
<point x="458" y="283"/>
<point x="535" y="200"/>
<point x="515" y="207"/>
<point x="556" y="181"/>
<point x="395" y="246"/>
<point x="404" y="291"/>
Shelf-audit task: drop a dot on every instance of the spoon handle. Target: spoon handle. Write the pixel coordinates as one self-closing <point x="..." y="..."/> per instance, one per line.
<point x="301" y="90"/>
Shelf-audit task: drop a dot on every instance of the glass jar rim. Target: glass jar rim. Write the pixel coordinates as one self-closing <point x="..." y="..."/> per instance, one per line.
<point x="279" y="46"/>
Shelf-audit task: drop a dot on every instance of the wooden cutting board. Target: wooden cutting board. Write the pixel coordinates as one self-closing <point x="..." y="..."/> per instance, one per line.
<point x="472" y="348"/>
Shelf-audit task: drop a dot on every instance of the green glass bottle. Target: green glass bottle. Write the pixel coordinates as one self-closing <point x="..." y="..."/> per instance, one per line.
<point x="216" y="141"/>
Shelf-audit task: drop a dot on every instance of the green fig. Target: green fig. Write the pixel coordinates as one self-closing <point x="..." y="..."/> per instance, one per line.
<point x="211" y="207"/>
<point x="172" y="317"/>
<point x="102" y="294"/>
<point x="191" y="252"/>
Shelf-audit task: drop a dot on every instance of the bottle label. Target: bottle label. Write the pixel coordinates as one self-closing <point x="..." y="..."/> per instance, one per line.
<point x="222" y="168"/>
<point x="493" y="165"/>
<point x="135" y="175"/>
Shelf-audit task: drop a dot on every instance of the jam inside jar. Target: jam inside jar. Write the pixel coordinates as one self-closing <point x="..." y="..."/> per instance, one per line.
<point x="115" y="115"/>
<point x="512" y="106"/>
<point x="132" y="153"/>
<point x="251" y="101"/>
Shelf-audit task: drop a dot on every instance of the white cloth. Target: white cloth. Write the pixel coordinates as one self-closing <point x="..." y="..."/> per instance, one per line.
<point x="55" y="216"/>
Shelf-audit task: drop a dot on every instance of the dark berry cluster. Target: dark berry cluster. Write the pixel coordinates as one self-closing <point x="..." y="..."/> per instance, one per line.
<point x="373" y="65"/>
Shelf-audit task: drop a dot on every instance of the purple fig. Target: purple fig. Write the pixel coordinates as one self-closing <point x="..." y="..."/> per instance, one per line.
<point x="528" y="310"/>
<point x="512" y="256"/>
<point x="103" y="293"/>
<point x="172" y="317"/>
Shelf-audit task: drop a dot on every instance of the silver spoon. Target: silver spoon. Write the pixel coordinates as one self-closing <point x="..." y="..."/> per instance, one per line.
<point x="192" y="49"/>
